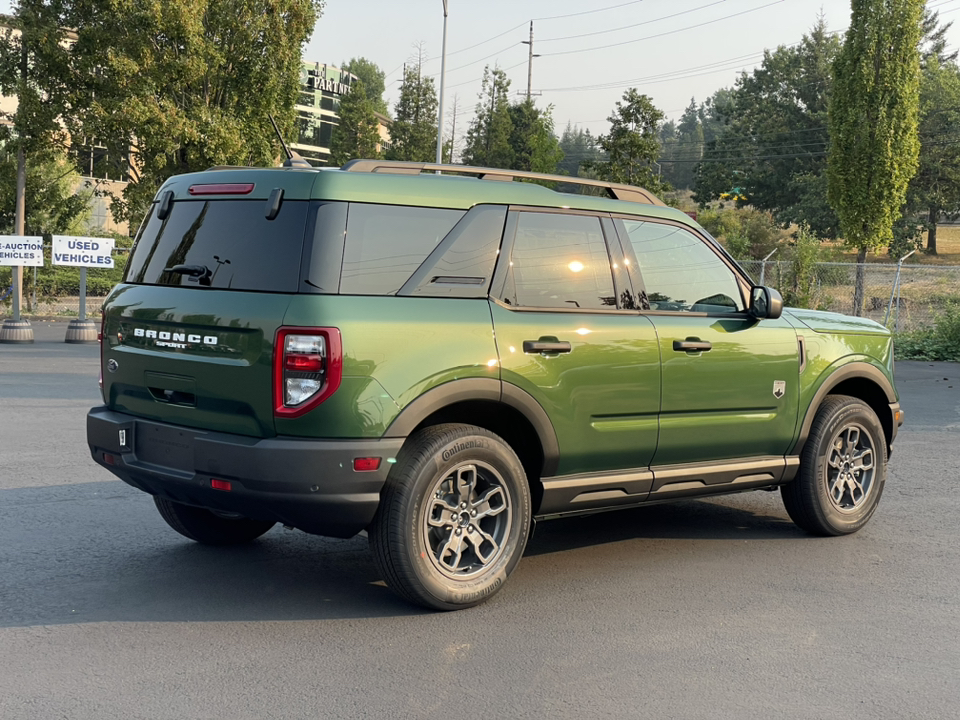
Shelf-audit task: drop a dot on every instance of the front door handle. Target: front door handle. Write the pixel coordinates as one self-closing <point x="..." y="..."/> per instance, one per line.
<point x="543" y="346"/>
<point x="691" y="346"/>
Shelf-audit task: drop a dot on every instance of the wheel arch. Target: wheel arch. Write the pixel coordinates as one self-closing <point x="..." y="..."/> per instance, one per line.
<point x="502" y="408"/>
<point x="862" y="381"/>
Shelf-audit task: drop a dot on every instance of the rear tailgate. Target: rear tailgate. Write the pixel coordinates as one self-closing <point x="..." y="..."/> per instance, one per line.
<point x="202" y="358"/>
<point x="188" y="336"/>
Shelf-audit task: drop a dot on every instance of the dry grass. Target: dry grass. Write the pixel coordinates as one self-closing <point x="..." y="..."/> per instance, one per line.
<point x="948" y="250"/>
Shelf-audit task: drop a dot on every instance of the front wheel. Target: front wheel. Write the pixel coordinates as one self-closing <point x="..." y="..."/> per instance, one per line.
<point x="453" y="519"/>
<point x="210" y="528"/>
<point x="842" y="469"/>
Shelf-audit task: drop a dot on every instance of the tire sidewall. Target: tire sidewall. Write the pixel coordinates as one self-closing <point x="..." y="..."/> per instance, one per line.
<point x="840" y="522"/>
<point x="467" y="447"/>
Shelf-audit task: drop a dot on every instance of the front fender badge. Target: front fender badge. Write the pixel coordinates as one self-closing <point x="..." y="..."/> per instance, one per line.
<point x="779" y="388"/>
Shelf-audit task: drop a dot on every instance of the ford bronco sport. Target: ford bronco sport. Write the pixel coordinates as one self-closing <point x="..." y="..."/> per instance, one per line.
<point x="442" y="359"/>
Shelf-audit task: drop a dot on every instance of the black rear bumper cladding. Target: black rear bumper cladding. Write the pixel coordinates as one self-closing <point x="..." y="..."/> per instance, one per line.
<point x="309" y="484"/>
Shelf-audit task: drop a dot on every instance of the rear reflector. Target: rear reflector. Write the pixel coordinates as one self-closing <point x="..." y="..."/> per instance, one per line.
<point x="367" y="464"/>
<point x="220" y="485"/>
<point x="222" y="189"/>
<point x="109" y="459"/>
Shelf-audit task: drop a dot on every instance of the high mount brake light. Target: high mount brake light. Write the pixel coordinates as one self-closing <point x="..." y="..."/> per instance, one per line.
<point x="222" y="189"/>
<point x="307" y="368"/>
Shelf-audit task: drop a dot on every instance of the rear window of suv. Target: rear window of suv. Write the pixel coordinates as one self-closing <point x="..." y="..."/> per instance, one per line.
<point x="231" y="239"/>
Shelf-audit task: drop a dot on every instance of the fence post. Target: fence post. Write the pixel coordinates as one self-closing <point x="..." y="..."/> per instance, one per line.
<point x="81" y="330"/>
<point x="895" y="290"/>
<point x="763" y="265"/>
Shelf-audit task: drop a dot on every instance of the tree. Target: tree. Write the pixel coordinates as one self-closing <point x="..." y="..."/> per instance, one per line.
<point x="579" y="146"/>
<point x="56" y="204"/>
<point x="488" y="135"/>
<point x="632" y="145"/>
<point x="873" y="123"/>
<point x="181" y="86"/>
<point x="768" y="136"/>
<point x="373" y="81"/>
<point x="413" y="134"/>
<point x="535" y="146"/>
<point x="358" y="133"/>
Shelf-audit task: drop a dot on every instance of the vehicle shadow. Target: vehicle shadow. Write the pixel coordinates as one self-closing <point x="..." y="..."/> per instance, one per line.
<point x="99" y="552"/>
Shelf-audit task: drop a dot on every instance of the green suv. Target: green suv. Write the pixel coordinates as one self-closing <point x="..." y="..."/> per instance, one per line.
<point x="440" y="356"/>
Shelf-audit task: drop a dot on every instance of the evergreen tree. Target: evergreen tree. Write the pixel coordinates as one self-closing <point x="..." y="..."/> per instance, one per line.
<point x="535" y="147"/>
<point x="488" y="135"/>
<point x="413" y="134"/>
<point x="358" y="133"/>
<point x="579" y="146"/>
<point x="632" y="145"/>
<point x="873" y="123"/>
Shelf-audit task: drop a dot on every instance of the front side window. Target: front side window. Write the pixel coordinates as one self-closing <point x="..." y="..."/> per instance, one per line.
<point x="559" y="261"/>
<point x="680" y="272"/>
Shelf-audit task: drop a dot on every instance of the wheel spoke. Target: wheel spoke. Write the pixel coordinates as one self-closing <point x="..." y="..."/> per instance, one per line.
<point x="466" y="482"/>
<point x="853" y="437"/>
<point x="491" y="502"/>
<point x="864" y="460"/>
<point x="453" y="546"/>
<point x="440" y="513"/>
<point x="481" y="539"/>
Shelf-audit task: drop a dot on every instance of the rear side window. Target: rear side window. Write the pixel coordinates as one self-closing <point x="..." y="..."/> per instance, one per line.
<point x="387" y="243"/>
<point x="221" y="244"/>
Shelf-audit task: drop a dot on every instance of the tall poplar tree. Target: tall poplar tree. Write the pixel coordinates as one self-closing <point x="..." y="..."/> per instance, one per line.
<point x="413" y="134"/>
<point x="873" y="118"/>
<point x="488" y="136"/>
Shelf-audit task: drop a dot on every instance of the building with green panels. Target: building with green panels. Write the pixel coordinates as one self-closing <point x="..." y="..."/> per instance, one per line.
<point x="318" y="109"/>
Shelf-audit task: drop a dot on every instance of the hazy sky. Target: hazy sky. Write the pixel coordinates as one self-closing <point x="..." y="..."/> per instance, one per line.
<point x="591" y="52"/>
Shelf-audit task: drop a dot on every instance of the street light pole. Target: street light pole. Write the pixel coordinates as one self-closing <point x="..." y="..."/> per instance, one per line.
<point x="443" y="71"/>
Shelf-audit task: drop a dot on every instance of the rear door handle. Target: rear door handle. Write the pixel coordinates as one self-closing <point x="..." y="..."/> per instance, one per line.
<point x="542" y="346"/>
<point x="691" y="345"/>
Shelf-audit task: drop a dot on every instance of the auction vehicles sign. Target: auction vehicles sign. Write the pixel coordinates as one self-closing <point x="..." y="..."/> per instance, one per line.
<point x="21" y="250"/>
<point x="82" y="251"/>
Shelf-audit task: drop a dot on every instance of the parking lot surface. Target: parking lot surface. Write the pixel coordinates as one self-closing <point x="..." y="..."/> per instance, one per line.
<point x="699" y="609"/>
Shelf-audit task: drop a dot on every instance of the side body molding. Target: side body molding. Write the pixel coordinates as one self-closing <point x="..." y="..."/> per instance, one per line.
<point x="482" y="389"/>
<point x="850" y="371"/>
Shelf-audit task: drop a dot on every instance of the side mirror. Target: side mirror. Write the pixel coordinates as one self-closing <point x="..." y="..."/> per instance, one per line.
<point x="765" y="303"/>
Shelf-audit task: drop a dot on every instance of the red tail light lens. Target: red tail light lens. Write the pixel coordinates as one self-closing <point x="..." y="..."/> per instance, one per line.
<point x="307" y="367"/>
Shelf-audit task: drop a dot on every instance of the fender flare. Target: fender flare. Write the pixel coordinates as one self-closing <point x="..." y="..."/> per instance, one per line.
<point x="861" y="370"/>
<point x="488" y="389"/>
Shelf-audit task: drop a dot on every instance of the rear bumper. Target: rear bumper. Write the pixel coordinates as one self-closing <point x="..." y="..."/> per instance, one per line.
<point x="309" y="484"/>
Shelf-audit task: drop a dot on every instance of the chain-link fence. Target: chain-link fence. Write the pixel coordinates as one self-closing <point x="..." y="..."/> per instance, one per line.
<point x="53" y="291"/>
<point x="923" y="291"/>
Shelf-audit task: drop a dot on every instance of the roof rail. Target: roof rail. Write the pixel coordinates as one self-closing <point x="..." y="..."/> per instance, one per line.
<point x="617" y="191"/>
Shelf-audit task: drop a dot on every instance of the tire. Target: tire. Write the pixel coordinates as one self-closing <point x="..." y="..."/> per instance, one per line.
<point x="207" y="527"/>
<point x="453" y="519"/>
<point x="843" y="468"/>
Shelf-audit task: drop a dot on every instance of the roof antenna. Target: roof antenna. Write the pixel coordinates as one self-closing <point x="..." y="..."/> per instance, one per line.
<point x="293" y="158"/>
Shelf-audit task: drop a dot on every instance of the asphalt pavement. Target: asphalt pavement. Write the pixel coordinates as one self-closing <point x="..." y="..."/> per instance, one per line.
<point x="698" y="609"/>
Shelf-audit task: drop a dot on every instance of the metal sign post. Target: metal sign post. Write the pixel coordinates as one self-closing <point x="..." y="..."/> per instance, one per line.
<point x="18" y="251"/>
<point x="82" y="252"/>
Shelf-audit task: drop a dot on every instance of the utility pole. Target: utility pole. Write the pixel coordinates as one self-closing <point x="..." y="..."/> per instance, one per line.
<point x="530" y="62"/>
<point x="443" y="76"/>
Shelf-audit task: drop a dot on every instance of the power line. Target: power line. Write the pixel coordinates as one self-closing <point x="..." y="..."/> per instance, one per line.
<point x="663" y="34"/>
<point x="590" y="12"/>
<point x="627" y="27"/>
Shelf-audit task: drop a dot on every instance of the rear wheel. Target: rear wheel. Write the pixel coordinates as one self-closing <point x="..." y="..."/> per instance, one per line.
<point x="208" y="527"/>
<point x="842" y="469"/>
<point x="453" y="519"/>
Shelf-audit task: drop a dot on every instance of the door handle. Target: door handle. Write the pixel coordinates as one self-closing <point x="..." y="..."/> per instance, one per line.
<point x="691" y="346"/>
<point x="543" y="346"/>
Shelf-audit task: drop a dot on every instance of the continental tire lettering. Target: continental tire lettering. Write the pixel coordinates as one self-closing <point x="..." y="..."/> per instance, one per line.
<point x="461" y="446"/>
<point x="488" y="590"/>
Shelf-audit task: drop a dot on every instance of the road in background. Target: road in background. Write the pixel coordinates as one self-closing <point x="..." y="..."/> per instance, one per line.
<point x="710" y="609"/>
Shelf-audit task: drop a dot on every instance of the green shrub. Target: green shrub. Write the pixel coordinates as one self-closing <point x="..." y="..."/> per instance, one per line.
<point x="745" y="232"/>
<point x="941" y="342"/>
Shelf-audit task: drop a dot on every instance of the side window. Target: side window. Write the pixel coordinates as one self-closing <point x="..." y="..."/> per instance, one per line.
<point x="680" y="272"/>
<point x="559" y="261"/>
<point x="385" y="244"/>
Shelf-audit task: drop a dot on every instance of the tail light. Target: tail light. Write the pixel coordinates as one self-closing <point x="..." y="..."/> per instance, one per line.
<point x="307" y="367"/>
